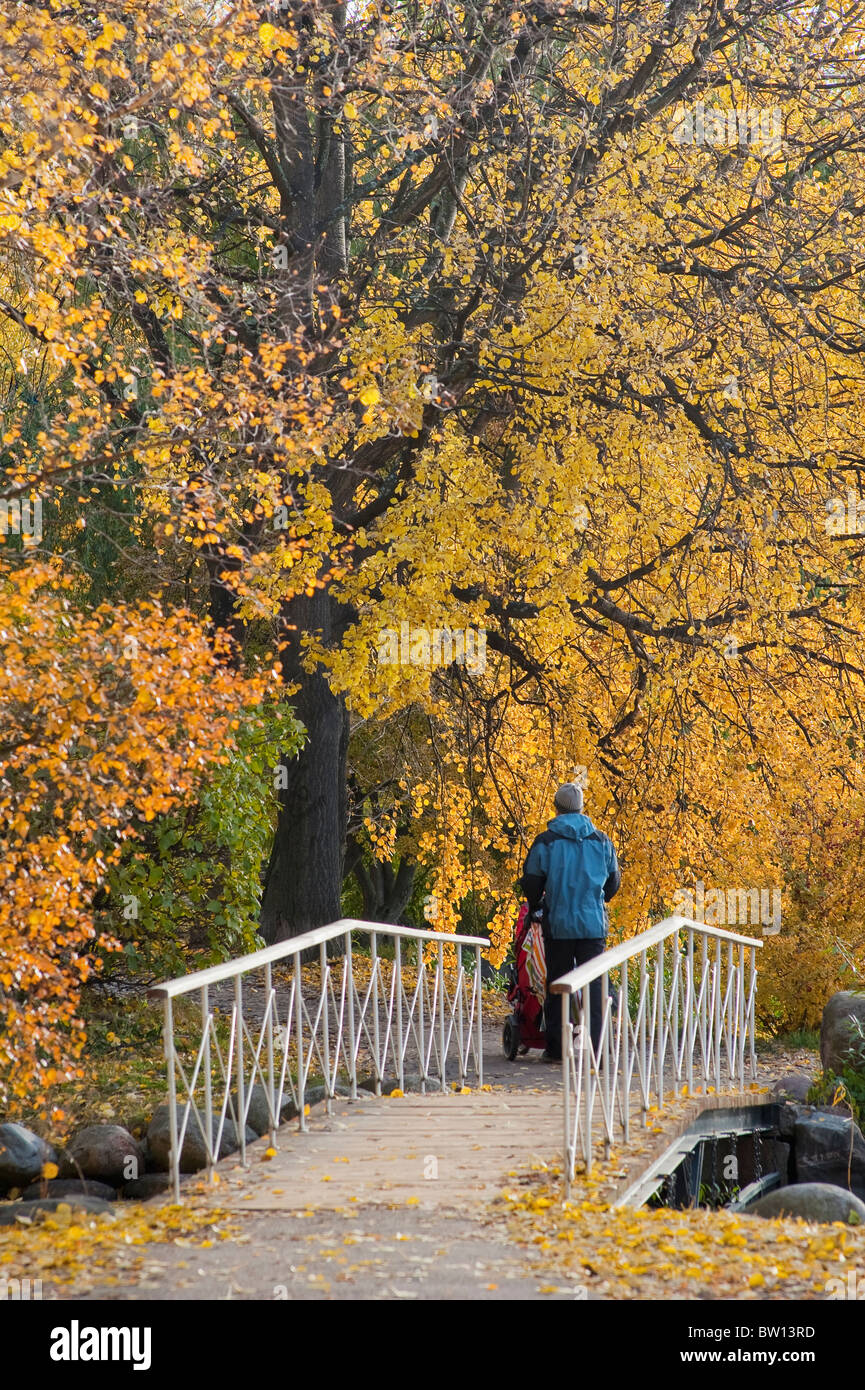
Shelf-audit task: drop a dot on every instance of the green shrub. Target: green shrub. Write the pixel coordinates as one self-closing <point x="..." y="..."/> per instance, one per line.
<point x="848" y="1085"/>
<point x="191" y="883"/>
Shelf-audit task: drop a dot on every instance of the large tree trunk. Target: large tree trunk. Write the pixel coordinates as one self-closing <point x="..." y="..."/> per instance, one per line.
<point x="386" y="893"/>
<point x="303" y="882"/>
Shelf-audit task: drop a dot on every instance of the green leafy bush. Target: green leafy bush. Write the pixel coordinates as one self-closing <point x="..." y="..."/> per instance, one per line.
<point x="191" y="882"/>
<point x="848" y="1085"/>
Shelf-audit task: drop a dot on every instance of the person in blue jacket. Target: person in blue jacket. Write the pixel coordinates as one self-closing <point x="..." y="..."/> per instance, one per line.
<point x="572" y="872"/>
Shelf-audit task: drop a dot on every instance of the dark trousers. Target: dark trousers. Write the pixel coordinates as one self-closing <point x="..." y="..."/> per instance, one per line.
<point x="564" y="955"/>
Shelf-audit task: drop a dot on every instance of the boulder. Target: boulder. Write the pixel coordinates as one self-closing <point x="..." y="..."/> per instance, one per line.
<point x="106" y="1152"/>
<point x="839" y="1108"/>
<point x="812" y="1201"/>
<point x="258" y="1110"/>
<point x="822" y="1150"/>
<point x="67" y="1188"/>
<point x="794" y="1086"/>
<point x="288" y="1109"/>
<point x="315" y="1095"/>
<point x="10" y="1212"/>
<point x="22" y="1155"/>
<point x="142" y="1189"/>
<point x="787" y="1116"/>
<point x="193" y="1155"/>
<point x="137" y="1124"/>
<point x="838" y="1031"/>
<point x="411" y="1082"/>
<point x="780" y="1159"/>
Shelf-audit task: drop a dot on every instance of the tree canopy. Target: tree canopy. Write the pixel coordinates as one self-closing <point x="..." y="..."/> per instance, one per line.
<point x="532" y="321"/>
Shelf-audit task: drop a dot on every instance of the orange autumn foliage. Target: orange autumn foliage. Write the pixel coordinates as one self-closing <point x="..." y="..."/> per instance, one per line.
<point x="623" y="466"/>
<point x="108" y="720"/>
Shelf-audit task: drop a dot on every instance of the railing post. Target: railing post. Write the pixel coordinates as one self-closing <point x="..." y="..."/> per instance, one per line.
<point x="459" y="990"/>
<point x="676" y="967"/>
<point x="659" y="1024"/>
<point x="740" y="1023"/>
<point x="643" y="1010"/>
<point x="588" y="1052"/>
<point x="752" y="1005"/>
<point x="240" y="1117"/>
<point x="348" y="977"/>
<point x="208" y="1080"/>
<point x="271" y="1095"/>
<point x="606" y="1025"/>
<point x="441" y="974"/>
<point x="397" y="965"/>
<point x="421" y="1016"/>
<point x="168" y="1041"/>
<point x="567" y="1062"/>
<point x="690" y="996"/>
<point x="731" y="1006"/>
<point x="298" y="1042"/>
<point x="479" y="1033"/>
<point x="717" y="1013"/>
<point x="625" y="1025"/>
<point x="324" y="971"/>
<point x="373" y="945"/>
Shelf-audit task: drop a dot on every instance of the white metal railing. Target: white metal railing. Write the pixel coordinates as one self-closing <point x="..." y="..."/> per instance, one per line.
<point x="399" y="1014"/>
<point x="679" y="1015"/>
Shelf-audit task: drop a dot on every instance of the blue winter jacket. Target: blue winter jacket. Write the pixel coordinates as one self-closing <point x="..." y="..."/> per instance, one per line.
<point x="574" y="868"/>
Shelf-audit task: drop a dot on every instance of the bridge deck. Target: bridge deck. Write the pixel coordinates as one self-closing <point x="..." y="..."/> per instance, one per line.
<point x="430" y="1150"/>
<point x="440" y="1150"/>
<point x="316" y="1226"/>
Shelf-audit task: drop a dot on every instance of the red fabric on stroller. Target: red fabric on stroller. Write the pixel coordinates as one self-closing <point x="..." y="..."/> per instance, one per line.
<point x="528" y="1015"/>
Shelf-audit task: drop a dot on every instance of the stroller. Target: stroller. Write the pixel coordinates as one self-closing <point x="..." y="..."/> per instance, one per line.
<point x="525" y="1027"/>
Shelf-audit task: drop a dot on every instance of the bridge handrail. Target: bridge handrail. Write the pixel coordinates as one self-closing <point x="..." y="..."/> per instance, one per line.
<point x="253" y="960"/>
<point x="627" y="950"/>
<point x="432" y="1020"/>
<point x="682" y="1025"/>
